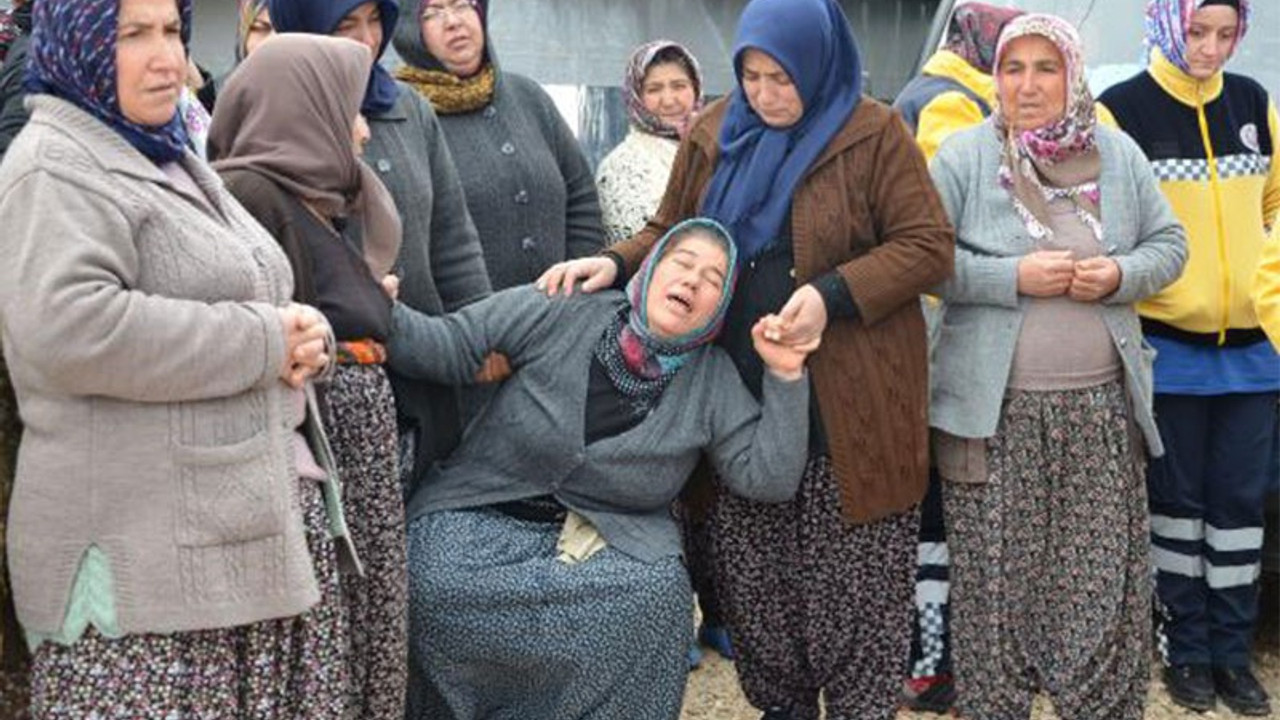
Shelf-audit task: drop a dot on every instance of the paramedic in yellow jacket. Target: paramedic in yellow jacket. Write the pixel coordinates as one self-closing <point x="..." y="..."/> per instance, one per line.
<point x="954" y="89"/>
<point x="1210" y="137"/>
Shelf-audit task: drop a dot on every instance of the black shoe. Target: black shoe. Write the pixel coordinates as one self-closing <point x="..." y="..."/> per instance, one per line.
<point x="1241" y="691"/>
<point x="776" y="713"/>
<point x="1190" y="686"/>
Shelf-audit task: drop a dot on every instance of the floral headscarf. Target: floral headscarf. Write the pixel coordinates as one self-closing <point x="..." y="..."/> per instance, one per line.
<point x="1168" y="20"/>
<point x="8" y="32"/>
<point x="73" y="56"/>
<point x="974" y="31"/>
<point x="642" y="59"/>
<point x="640" y="364"/>
<point x="1059" y="160"/>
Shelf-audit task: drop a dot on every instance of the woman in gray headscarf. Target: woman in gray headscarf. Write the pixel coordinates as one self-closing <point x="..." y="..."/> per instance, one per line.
<point x="287" y="136"/>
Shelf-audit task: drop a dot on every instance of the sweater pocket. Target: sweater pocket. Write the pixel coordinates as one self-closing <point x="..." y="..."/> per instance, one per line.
<point x="228" y="493"/>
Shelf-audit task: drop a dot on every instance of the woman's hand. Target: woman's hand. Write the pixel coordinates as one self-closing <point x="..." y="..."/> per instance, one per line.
<point x="1046" y="273"/>
<point x="391" y="286"/>
<point x="801" y="321"/>
<point x="596" y="273"/>
<point x="1095" y="278"/>
<point x="783" y="360"/>
<point x="305" y="333"/>
<point x="496" y="368"/>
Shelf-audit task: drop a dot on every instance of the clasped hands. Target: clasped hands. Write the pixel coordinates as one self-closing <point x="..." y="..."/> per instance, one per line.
<point x="1049" y="273"/>
<point x="306" y="337"/>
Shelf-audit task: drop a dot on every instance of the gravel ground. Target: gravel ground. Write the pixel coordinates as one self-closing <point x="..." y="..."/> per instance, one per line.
<point x="713" y="692"/>
<point x="713" y="695"/>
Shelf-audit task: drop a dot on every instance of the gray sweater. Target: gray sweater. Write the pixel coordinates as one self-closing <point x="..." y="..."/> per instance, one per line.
<point x="530" y="440"/>
<point x="441" y="264"/>
<point x="141" y="332"/>
<point x="528" y="185"/>
<point x="972" y="351"/>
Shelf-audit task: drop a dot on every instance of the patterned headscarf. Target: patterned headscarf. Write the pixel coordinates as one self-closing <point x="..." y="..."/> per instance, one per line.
<point x="1058" y="160"/>
<point x="1168" y="21"/>
<point x="974" y="31"/>
<point x="8" y="32"/>
<point x="642" y="59"/>
<point x="640" y="364"/>
<point x="73" y="56"/>
<point x="248" y="13"/>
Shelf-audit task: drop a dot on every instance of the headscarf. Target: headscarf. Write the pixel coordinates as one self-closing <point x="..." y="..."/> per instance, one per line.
<point x="287" y="113"/>
<point x="322" y="17"/>
<point x="1168" y="20"/>
<point x="1059" y="160"/>
<point x="640" y="364"/>
<point x="642" y="59"/>
<point x="974" y="31"/>
<point x="8" y="32"/>
<point x="760" y="167"/>
<point x="248" y="13"/>
<point x="73" y="56"/>
<point x="447" y="93"/>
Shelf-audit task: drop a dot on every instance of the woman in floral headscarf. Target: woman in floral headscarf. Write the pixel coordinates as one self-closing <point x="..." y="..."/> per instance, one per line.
<point x="1210" y="138"/>
<point x="545" y="571"/>
<point x="1041" y="400"/>
<point x="663" y="92"/>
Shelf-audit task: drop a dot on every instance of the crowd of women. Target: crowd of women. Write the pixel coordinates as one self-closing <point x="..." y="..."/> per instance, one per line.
<point x="351" y="393"/>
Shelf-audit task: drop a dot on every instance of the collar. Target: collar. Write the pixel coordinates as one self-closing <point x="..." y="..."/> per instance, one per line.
<point x="114" y="155"/>
<point x="945" y="63"/>
<point x="867" y="120"/>
<point x="1184" y="88"/>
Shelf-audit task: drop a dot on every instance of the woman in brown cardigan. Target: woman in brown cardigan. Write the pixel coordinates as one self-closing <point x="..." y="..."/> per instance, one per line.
<point x="839" y="229"/>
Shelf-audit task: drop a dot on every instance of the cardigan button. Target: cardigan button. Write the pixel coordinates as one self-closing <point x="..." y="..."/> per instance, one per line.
<point x="384" y="165"/>
<point x="522" y="197"/>
<point x="490" y="112"/>
<point x="528" y="244"/>
<point x="508" y="149"/>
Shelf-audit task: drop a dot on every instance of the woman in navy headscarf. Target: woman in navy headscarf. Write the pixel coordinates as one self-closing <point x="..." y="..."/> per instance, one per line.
<point x="175" y="523"/>
<point x="839" y="229"/>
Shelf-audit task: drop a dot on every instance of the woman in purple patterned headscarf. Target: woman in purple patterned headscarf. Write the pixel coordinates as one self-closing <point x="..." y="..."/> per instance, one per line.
<point x="175" y="523"/>
<point x="1040" y="391"/>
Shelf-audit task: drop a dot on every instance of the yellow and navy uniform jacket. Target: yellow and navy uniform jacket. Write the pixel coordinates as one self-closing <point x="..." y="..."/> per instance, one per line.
<point x="1212" y="146"/>
<point x="948" y="95"/>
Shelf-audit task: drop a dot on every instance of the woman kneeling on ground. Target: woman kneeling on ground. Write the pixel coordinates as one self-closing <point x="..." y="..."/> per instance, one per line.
<point x="545" y="571"/>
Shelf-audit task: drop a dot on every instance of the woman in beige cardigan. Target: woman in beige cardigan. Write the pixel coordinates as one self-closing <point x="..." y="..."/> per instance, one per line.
<point x="171" y="531"/>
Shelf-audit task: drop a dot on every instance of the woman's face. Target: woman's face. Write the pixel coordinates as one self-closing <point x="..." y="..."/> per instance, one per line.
<point x="454" y="35"/>
<point x="668" y="93"/>
<point x="1032" y="82"/>
<point x="150" y="60"/>
<point x="686" y="286"/>
<point x="260" y="29"/>
<point x="364" y="25"/>
<point x="769" y="90"/>
<point x="1210" y="39"/>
